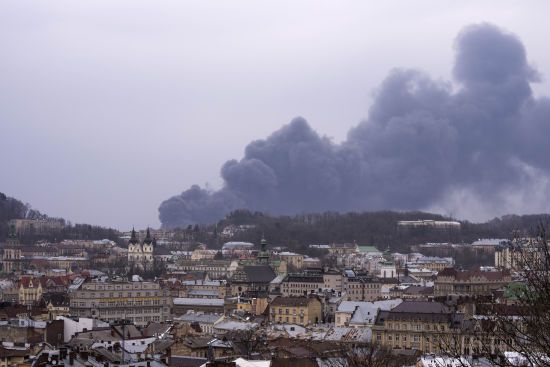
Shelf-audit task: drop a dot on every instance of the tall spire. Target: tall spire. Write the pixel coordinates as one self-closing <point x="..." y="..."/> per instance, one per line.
<point x="147" y="239"/>
<point x="133" y="238"/>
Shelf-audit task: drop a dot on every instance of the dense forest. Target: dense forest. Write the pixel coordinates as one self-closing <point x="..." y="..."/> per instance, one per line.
<point x="11" y="208"/>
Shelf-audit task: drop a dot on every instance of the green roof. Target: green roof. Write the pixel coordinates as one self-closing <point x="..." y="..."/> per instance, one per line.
<point x="515" y="290"/>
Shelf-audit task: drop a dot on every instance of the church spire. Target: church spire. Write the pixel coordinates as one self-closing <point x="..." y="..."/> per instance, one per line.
<point x="133" y="238"/>
<point x="147" y="239"/>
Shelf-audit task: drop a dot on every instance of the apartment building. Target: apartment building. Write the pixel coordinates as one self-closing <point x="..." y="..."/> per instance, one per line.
<point x="424" y="326"/>
<point x="474" y="282"/>
<point x="333" y="280"/>
<point x="433" y="263"/>
<point x="361" y="287"/>
<point x="203" y="289"/>
<point x="516" y="255"/>
<point x="139" y="302"/>
<point x="216" y="269"/>
<point x="301" y="284"/>
<point x="296" y="310"/>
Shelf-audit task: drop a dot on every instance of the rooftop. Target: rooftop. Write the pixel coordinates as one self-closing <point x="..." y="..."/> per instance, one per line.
<point x="199" y="302"/>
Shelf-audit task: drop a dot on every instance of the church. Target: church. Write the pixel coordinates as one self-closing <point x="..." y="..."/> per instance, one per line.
<point x="140" y="255"/>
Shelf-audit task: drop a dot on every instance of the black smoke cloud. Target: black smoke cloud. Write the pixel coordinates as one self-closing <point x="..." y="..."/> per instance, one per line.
<point x="422" y="146"/>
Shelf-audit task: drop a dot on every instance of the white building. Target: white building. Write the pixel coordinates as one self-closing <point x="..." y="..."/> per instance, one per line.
<point x="140" y="255"/>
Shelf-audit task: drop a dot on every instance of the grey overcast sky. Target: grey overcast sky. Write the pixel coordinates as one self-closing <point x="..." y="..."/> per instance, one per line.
<point x="107" y="108"/>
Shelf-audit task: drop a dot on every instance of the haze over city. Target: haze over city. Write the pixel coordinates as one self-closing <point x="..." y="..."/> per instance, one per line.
<point x="272" y="184"/>
<point x="108" y="109"/>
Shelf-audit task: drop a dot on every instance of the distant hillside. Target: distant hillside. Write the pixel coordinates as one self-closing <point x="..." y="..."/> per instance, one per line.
<point x="371" y="228"/>
<point x="11" y="208"/>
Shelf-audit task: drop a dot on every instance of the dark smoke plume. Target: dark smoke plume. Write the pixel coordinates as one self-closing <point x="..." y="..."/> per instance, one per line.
<point x="481" y="149"/>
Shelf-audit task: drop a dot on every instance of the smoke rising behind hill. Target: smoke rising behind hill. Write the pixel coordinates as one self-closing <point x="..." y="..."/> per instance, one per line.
<point x="479" y="147"/>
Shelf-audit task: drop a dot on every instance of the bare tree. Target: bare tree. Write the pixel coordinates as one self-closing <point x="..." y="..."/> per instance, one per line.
<point x="520" y="323"/>
<point x="251" y="340"/>
<point x="347" y="354"/>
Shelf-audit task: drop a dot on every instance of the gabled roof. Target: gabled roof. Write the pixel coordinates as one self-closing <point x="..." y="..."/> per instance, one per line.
<point x="130" y="331"/>
<point x="44" y="281"/>
<point x="155" y="329"/>
<point x="57" y="299"/>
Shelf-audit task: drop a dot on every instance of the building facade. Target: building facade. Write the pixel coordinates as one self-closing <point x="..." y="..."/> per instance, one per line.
<point x="11" y="256"/>
<point x="296" y="310"/>
<point x="361" y="288"/>
<point x="423" y="326"/>
<point x="301" y="284"/>
<point x="475" y="282"/>
<point x="140" y="302"/>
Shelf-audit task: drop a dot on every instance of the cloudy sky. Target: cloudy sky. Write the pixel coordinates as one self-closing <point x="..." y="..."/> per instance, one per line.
<point x="108" y="108"/>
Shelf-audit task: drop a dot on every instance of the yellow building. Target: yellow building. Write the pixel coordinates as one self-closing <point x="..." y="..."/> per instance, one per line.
<point x="30" y="290"/>
<point x="255" y="306"/>
<point x="296" y="310"/>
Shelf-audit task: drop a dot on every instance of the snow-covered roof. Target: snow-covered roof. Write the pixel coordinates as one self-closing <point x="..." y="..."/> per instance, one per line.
<point x="235" y="325"/>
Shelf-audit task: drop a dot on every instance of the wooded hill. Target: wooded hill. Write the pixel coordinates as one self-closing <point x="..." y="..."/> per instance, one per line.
<point x="11" y="208"/>
<point x="371" y="228"/>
